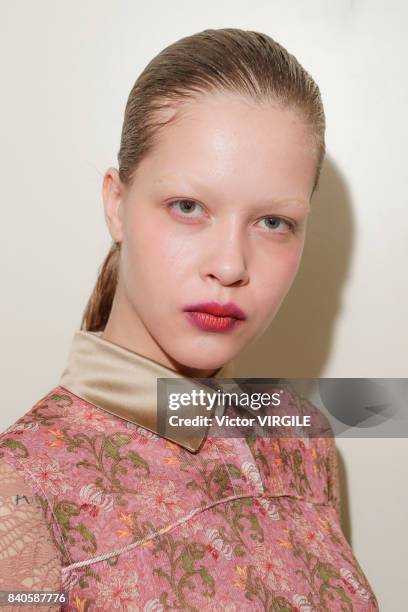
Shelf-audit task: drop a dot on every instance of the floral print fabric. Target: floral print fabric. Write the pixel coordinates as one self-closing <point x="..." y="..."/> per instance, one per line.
<point x="140" y="523"/>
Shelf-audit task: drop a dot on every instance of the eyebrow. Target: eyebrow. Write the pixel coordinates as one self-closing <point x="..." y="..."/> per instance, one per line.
<point x="274" y="203"/>
<point x="285" y="202"/>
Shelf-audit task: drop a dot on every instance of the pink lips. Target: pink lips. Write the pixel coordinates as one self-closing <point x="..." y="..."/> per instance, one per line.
<point x="214" y="316"/>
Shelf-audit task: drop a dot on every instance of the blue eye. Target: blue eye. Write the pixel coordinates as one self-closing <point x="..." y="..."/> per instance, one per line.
<point x="290" y="224"/>
<point x="186" y="210"/>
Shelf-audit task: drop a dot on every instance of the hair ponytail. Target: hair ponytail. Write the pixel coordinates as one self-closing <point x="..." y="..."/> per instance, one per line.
<point x="99" y="305"/>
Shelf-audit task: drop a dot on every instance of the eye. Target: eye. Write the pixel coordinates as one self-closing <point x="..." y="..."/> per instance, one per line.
<point x="277" y="220"/>
<point x="186" y="208"/>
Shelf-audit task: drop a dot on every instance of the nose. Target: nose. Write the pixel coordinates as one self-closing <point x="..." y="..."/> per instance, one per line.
<point x="226" y="258"/>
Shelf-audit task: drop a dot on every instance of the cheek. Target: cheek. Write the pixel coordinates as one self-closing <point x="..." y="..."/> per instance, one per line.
<point x="274" y="281"/>
<point x="154" y="255"/>
<point x="276" y="277"/>
<point x="291" y="263"/>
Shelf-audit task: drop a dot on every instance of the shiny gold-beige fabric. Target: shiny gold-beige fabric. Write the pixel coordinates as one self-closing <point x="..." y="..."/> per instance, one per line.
<point x="124" y="383"/>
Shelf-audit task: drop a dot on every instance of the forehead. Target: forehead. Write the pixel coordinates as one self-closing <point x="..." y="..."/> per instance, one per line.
<point x="225" y="138"/>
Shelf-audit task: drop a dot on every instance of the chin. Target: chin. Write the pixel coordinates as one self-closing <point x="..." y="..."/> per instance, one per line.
<point x="202" y="359"/>
<point x="201" y="364"/>
<point x="202" y="352"/>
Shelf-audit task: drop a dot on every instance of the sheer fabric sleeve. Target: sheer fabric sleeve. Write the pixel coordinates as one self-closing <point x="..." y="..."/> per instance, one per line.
<point x="29" y="560"/>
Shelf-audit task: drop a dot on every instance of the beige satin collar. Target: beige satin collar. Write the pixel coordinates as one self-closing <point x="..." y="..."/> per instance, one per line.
<point x="122" y="382"/>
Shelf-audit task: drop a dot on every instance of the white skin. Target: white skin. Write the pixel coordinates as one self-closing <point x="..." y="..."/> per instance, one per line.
<point x="241" y="163"/>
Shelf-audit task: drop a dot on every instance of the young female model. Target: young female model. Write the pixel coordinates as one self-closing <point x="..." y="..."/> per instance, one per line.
<point x="221" y="151"/>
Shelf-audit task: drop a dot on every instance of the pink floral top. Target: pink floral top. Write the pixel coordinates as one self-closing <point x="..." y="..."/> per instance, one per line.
<point x="100" y="506"/>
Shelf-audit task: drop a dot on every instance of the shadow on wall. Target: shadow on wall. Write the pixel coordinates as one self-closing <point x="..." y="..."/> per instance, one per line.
<point x="298" y="342"/>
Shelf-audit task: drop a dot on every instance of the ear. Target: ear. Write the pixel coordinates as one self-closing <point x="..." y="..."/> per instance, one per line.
<point x="113" y="194"/>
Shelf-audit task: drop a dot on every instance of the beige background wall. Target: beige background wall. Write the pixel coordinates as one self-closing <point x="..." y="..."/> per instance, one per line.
<point x="66" y="70"/>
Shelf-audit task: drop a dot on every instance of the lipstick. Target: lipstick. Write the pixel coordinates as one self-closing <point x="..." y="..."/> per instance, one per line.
<point x="214" y="316"/>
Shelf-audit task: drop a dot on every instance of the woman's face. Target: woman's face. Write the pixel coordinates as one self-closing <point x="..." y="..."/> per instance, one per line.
<point x="216" y="212"/>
